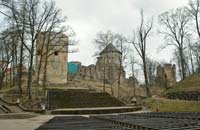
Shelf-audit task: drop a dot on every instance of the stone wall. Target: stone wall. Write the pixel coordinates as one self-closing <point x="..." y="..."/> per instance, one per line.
<point x="107" y="67"/>
<point x="166" y="75"/>
<point x="57" y="57"/>
<point x="182" y="95"/>
<point x="87" y="72"/>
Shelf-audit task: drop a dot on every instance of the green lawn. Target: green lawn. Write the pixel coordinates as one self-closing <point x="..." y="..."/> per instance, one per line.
<point x="166" y="105"/>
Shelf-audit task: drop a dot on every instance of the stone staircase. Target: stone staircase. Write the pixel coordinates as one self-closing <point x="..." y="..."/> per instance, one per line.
<point x="80" y="98"/>
<point x="5" y="109"/>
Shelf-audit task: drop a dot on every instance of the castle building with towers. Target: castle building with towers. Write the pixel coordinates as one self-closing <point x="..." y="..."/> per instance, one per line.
<point x="52" y="66"/>
<point x="107" y="68"/>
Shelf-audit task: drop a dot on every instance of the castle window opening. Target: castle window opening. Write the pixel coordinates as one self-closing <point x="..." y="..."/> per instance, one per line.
<point x="56" y="53"/>
<point x="39" y="52"/>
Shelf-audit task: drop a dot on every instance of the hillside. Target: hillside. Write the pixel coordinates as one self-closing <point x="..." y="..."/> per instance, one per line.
<point x="191" y="83"/>
<point x="188" y="89"/>
<point x="179" y="98"/>
<point x="167" y="105"/>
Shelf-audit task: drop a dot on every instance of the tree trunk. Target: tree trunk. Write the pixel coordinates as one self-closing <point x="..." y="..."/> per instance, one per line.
<point x="45" y="70"/>
<point x="1" y="83"/>
<point x="40" y="62"/>
<point x="191" y="59"/>
<point x="146" y="78"/>
<point x="197" y="24"/>
<point x="104" y="76"/>
<point x="112" y="92"/>
<point x="30" y="73"/>
<point x="44" y="76"/>
<point x="20" y="70"/>
<point x="38" y="73"/>
<point x="182" y="63"/>
<point x="1" y="80"/>
<point x="133" y="82"/>
<point x="119" y="79"/>
<point x="192" y="64"/>
<point x="16" y="65"/>
<point x="198" y="61"/>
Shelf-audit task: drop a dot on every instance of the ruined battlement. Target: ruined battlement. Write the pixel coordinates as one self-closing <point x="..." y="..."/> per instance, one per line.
<point x="166" y="75"/>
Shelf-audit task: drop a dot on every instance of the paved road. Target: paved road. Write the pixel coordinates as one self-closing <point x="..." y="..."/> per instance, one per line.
<point x="23" y="124"/>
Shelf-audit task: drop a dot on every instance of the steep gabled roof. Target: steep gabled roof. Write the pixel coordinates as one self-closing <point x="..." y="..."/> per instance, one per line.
<point x="110" y="48"/>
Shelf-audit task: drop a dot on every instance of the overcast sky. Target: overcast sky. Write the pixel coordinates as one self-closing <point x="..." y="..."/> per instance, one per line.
<point x="87" y="17"/>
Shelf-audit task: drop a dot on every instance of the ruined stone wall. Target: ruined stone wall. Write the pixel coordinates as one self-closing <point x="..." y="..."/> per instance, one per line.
<point x="107" y="67"/>
<point x="86" y="72"/>
<point x="56" y="68"/>
<point x="170" y="71"/>
<point x="131" y="82"/>
<point x="108" y="61"/>
<point x="166" y="75"/>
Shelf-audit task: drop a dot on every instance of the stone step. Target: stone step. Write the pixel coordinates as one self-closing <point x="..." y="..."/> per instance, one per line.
<point x="99" y="110"/>
<point x="5" y="109"/>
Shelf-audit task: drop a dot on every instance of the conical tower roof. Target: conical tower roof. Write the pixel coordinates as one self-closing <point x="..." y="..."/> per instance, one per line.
<point x="110" y="48"/>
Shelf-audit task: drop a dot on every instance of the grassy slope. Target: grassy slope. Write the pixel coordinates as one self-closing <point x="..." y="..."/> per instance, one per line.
<point x="191" y="83"/>
<point x="166" y="105"/>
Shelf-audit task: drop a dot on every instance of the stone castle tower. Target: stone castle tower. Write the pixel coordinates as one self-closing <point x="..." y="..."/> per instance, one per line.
<point x="55" y="48"/>
<point x="166" y="75"/>
<point x="106" y="69"/>
<point x="108" y="65"/>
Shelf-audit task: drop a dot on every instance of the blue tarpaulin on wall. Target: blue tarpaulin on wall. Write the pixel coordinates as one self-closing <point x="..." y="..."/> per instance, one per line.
<point x="72" y="68"/>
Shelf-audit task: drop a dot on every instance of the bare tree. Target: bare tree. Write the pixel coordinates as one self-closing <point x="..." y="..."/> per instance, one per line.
<point x="10" y="39"/>
<point x="5" y="58"/>
<point x="191" y="57"/>
<point x="30" y="18"/>
<point x="151" y="70"/>
<point x="101" y="41"/>
<point x="104" y="39"/>
<point x="194" y="11"/>
<point x="196" y="52"/>
<point x="176" y="58"/>
<point x="12" y="11"/>
<point x="121" y="43"/>
<point x="53" y="24"/>
<point x="133" y="62"/>
<point x="139" y="42"/>
<point x="176" y="31"/>
<point x="52" y="36"/>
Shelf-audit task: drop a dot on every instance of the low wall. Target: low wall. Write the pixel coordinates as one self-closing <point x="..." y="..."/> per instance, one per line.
<point x="191" y="95"/>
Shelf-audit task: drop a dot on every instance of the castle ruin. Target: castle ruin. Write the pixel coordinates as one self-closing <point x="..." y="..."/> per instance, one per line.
<point x="51" y="49"/>
<point x="166" y="75"/>
<point x="106" y="69"/>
